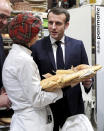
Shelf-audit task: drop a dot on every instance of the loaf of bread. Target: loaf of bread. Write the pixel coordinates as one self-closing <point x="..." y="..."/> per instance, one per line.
<point x="5" y="120"/>
<point x="75" y="75"/>
<point x="81" y="67"/>
<point x="73" y="69"/>
<point x="69" y="71"/>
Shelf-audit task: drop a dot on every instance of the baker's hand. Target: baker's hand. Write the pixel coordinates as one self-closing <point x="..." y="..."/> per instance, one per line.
<point x="2" y="90"/>
<point x="4" y="101"/>
<point x="87" y="83"/>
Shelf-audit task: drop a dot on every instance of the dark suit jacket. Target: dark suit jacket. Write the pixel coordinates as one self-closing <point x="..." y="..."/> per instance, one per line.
<point x="75" y="54"/>
<point x="2" y="57"/>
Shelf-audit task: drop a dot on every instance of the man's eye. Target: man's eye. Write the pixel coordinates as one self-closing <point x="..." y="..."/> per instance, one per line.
<point x="50" y="22"/>
<point x="58" y="23"/>
<point x="2" y="16"/>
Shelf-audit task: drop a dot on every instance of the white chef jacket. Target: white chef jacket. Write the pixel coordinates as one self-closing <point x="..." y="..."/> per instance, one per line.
<point x="78" y="122"/>
<point x="22" y="83"/>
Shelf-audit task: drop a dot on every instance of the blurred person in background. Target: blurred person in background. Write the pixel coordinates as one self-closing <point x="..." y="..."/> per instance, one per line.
<point x="5" y="12"/>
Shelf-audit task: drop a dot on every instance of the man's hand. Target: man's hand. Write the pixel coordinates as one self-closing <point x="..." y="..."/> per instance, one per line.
<point x="87" y="83"/>
<point x="2" y="91"/>
<point x="4" y="100"/>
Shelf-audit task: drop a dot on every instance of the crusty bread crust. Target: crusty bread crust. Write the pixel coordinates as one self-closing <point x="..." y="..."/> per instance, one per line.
<point x="5" y="120"/>
<point x="71" y="77"/>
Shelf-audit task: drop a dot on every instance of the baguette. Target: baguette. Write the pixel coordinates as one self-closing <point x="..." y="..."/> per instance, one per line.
<point x="64" y="79"/>
<point x="69" y="71"/>
<point x="81" y="67"/>
<point x="5" y="120"/>
<point x="73" y="69"/>
<point x="52" y="82"/>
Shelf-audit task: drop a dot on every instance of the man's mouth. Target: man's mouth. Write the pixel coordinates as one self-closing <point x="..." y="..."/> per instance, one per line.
<point x="2" y="27"/>
<point x="53" y="33"/>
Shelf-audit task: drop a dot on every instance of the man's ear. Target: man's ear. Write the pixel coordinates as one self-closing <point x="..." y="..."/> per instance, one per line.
<point x="66" y="25"/>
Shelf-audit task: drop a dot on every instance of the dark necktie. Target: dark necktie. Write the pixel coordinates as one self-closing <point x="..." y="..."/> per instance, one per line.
<point x="59" y="56"/>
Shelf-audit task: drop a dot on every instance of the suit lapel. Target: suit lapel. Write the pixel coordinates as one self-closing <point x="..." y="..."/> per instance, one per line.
<point x="67" y="53"/>
<point x="68" y="50"/>
<point x="50" y="53"/>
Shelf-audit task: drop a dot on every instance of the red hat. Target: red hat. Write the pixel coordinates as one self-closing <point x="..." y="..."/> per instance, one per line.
<point x="23" y="28"/>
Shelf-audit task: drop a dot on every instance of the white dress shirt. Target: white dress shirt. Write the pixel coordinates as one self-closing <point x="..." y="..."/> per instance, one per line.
<point x="54" y="47"/>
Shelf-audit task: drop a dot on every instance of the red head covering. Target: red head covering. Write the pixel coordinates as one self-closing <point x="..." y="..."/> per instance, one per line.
<point x="23" y="28"/>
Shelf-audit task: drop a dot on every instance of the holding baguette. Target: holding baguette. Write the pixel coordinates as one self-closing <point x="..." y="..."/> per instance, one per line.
<point x="50" y="56"/>
<point x="82" y="73"/>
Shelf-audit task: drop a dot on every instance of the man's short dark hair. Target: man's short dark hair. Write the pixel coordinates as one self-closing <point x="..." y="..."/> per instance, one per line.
<point x="58" y="11"/>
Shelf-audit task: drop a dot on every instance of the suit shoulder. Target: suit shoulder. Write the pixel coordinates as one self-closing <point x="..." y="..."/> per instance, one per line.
<point x="38" y="42"/>
<point x="73" y="40"/>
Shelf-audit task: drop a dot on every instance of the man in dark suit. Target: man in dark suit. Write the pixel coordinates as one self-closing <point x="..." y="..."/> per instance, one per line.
<point x="5" y="11"/>
<point x="44" y="53"/>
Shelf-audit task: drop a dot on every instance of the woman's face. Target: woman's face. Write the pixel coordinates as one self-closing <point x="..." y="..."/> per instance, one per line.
<point x="33" y="41"/>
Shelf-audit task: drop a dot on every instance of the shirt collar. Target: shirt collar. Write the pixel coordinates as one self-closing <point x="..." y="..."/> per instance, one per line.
<point x="16" y="46"/>
<point x="53" y="40"/>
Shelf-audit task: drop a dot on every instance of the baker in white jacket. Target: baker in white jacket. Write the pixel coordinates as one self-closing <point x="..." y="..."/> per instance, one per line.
<point x="22" y="81"/>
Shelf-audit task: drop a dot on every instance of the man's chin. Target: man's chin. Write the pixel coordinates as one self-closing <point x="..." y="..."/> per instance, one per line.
<point x="0" y="31"/>
<point x="2" y="28"/>
<point x="54" y="36"/>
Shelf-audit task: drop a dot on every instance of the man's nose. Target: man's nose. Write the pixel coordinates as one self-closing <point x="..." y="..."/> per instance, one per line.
<point x="54" y="26"/>
<point x="4" y="21"/>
